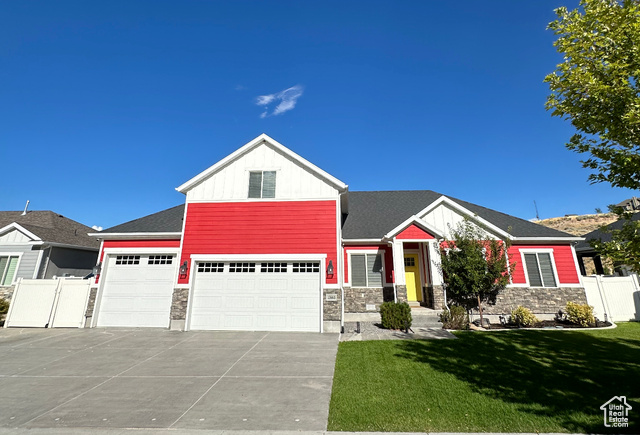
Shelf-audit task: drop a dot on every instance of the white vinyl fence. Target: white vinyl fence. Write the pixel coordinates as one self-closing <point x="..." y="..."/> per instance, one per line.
<point x="49" y="303"/>
<point x="617" y="297"/>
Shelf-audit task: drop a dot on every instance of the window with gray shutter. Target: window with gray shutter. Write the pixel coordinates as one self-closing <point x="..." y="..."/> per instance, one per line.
<point x="255" y="184"/>
<point x="262" y="184"/>
<point x="269" y="184"/>
<point x="540" y="269"/>
<point x="374" y="270"/>
<point x="548" y="279"/>
<point x="8" y="267"/>
<point x="366" y="270"/>
<point x="359" y="270"/>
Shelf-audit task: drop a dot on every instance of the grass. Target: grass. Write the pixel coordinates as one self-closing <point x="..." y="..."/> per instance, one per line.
<point x="515" y="381"/>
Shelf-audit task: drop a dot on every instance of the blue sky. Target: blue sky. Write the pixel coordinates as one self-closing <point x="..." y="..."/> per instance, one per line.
<point x="107" y="106"/>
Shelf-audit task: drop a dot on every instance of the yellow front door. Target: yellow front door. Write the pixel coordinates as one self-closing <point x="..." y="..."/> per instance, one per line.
<point x="412" y="277"/>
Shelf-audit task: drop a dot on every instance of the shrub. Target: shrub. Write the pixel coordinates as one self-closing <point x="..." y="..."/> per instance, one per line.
<point x="580" y="314"/>
<point x="455" y="317"/>
<point x="522" y="316"/>
<point x="4" y="306"/>
<point x="395" y="315"/>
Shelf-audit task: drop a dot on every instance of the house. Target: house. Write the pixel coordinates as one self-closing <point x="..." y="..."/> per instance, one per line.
<point x="42" y="244"/>
<point x="268" y="241"/>
<point x="585" y="250"/>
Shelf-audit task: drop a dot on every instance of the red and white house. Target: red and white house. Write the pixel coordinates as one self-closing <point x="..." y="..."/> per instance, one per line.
<point x="268" y="241"/>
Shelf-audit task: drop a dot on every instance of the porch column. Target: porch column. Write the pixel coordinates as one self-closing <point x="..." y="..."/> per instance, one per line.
<point x="437" y="282"/>
<point x="400" y="285"/>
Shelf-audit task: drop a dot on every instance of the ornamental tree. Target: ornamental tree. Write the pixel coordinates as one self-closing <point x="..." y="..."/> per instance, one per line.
<point x="475" y="268"/>
<point x="596" y="88"/>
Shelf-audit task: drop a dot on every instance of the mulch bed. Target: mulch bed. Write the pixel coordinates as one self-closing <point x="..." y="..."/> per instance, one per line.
<point x="549" y="324"/>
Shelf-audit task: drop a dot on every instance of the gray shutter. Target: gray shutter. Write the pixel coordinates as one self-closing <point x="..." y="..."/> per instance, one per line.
<point x="546" y="268"/>
<point x="531" y="261"/>
<point x="3" y="266"/>
<point x="374" y="270"/>
<point x="11" y="271"/>
<point x="255" y="184"/>
<point x="358" y="270"/>
<point x="269" y="184"/>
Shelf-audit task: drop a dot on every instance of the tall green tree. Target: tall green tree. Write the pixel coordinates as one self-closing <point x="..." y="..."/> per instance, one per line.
<point x="475" y="268"/>
<point x="597" y="89"/>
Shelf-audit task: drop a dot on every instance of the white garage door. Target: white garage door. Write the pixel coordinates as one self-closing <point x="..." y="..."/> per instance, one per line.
<point x="137" y="291"/>
<point x="256" y="296"/>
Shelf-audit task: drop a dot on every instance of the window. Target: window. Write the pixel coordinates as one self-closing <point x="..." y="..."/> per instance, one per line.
<point x="273" y="267"/>
<point x="242" y="267"/>
<point x="409" y="262"/>
<point x="160" y="259"/>
<point x="262" y="184"/>
<point x="128" y="259"/>
<point x="8" y="266"/>
<point x="366" y="270"/>
<point x="540" y="269"/>
<point x="211" y="267"/>
<point x="306" y="267"/>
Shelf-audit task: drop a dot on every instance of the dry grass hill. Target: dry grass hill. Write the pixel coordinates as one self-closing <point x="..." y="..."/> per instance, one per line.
<point x="578" y="225"/>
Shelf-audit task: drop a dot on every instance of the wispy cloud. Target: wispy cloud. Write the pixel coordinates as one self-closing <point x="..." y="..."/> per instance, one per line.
<point x="97" y="228"/>
<point x="241" y="88"/>
<point x="287" y="101"/>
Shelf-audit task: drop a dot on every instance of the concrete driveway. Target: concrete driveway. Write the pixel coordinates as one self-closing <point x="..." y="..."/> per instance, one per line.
<point x="113" y="378"/>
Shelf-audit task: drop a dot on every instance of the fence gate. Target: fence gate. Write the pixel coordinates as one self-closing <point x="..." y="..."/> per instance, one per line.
<point x="52" y="303"/>
<point x="617" y="296"/>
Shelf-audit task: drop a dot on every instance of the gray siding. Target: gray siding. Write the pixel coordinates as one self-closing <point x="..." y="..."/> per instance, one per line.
<point x="74" y="262"/>
<point x="28" y="259"/>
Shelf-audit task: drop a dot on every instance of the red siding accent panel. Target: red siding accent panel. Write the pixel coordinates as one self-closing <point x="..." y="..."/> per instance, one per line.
<point x="563" y="256"/>
<point x="137" y="244"/>
<point x="414" y="232"/>
<point x="388" y="259"/>
<point x="291" y="227"/>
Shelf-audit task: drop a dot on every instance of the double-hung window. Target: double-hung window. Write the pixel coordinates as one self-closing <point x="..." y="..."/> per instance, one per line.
<point x="539" y="266"/>
<point x="8" y="266"/>
<point x="366" y="270"/>
<point x="262" y="184"/>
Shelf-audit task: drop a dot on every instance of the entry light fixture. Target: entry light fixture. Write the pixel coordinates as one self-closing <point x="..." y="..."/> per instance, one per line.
<point x="330" y="268"/>
<point x="96" y="269"/>
<point x="184" y="267"/>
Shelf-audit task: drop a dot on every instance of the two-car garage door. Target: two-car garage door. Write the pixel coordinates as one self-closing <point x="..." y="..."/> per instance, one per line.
<point x="259" y="296"/>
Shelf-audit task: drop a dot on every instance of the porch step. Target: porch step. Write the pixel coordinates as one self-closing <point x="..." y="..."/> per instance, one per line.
<point x="425" y="317"/>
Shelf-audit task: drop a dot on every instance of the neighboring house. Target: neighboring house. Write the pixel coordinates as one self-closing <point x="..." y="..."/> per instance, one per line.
<point x="584" y="249"/>
<point x="268" y="241"/>
<point x="43" y="244"/>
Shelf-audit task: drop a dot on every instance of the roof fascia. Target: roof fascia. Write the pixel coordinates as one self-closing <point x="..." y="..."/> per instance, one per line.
<point x="412" y="220"/>
<point x="136" y="236"/>
<point x="263" y="138"/>
<point x="23" y="230"/>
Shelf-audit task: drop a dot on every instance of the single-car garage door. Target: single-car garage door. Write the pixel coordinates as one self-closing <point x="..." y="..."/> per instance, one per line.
<point x="256" y="296"/>
<point x="137" y="291"/>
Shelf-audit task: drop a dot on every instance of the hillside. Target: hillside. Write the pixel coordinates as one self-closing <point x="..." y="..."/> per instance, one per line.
<point x="578" y="225"/>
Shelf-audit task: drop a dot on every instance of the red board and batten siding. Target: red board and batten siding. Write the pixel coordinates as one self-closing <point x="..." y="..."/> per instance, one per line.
<point x="414" y="232"/>
<point x="388" y="259"/>
<point x="563" y="256"/>
<point x="287" y="227"/>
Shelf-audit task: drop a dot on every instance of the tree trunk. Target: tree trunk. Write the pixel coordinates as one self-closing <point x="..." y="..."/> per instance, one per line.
<point x="480" y="310"/>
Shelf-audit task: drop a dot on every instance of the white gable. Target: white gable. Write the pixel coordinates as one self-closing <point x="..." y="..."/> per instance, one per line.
<point x="444" y="217"/>
<point x="296" y="178"/>
<point x="14" y="237"/>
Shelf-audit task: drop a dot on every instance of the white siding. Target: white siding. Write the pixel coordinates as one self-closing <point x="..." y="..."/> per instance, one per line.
<point x="14" y="237"/>
<point x="444" y="218"/>
<point x="232" y="182"/>
<point x="28" y="259"/>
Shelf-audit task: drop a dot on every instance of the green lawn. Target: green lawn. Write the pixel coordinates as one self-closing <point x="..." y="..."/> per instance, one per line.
<point x="516" y="381"/>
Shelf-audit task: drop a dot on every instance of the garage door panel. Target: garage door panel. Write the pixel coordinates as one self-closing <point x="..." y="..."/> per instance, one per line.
<point x="137" y="295"/>
<point x="256" y="300"/>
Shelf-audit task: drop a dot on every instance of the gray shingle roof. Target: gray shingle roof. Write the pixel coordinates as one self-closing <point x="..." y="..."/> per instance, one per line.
<point x="51" y="227"/>
<point x="584" y="245"/>
<point x="374" y="214"/>
<point x="166" y="221"/>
